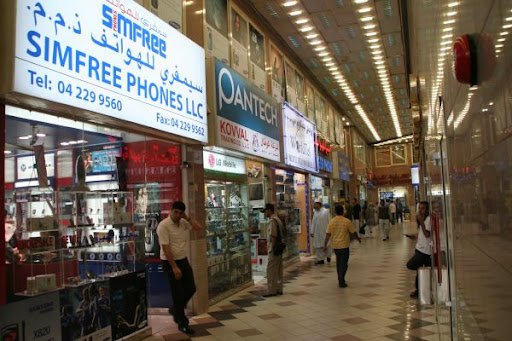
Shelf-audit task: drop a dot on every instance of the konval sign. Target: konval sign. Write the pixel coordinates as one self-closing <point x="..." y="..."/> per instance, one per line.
<point x="247" y="118"/>
<point x="112" y="57"/>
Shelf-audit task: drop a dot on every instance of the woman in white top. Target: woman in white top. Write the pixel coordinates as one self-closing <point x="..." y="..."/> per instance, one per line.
<point x="423" y="245"/>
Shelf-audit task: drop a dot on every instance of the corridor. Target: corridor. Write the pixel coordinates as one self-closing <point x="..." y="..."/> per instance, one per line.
<point x="374" y="306"/>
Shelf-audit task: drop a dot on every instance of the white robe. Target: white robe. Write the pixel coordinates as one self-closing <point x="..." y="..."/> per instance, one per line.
<point x="319" y="226"/>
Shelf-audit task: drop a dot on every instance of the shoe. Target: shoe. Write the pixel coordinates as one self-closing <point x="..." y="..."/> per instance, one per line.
<point x="269" y="295"/>
<point x="343" y="285"/>
<point x="279" y="293"/>
<point x="319" y="262"/>
<point x="414" y="294"/>
<point x="328" y="259"/>
<point x="186" y="330"/>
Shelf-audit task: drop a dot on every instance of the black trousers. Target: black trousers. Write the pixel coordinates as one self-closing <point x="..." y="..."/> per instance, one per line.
<point x="182" y="290"/>
<point x="342" y="263"/>
<point x="419" y="259"/>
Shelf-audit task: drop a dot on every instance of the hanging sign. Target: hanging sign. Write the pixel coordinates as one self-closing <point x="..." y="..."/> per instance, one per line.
<point x="299" y="140"/>
<point x="113" y="57"/>
<point x="247" y="118"/>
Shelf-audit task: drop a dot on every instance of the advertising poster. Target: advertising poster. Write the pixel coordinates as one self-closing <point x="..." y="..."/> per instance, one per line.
<point x="216" y="29"/>
<point x="299" y="140"/>
<point x="35" y="318"/>
<point x="310" y="107"/>
<point x="299" y="85"/>
<point x="85" y="312"/>
<point x="276" y="59"/>
<point x="291" y="93"/>
<point x="247" y="118"/>
<point x="257" y="50"/>
<point x="114" y="58"/>
<point x="128" y="304"/>
<point x="239" y="43"/>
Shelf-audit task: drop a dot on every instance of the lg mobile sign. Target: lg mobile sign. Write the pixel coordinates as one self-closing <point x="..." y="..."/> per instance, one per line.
<point x="299" y="140"/>
<point x="247" y="118"/>
<point x="112" y="57"/>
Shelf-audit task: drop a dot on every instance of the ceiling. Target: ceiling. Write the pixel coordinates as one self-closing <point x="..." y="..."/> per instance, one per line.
<point x="346" y="38"/>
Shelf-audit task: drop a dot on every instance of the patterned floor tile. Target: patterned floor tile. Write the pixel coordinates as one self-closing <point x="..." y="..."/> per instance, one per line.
<point x="248" y="332"/>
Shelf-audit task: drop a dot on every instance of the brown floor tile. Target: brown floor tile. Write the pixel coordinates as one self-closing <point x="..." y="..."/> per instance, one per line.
<point x="248" y="332"/>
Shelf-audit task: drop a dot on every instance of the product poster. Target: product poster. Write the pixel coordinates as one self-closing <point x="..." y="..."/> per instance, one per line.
<point x="310" y="107"/>
<point x="319" y="113"/>
<point x="276" y="60"/>
<point x="85" y="312"/>
<point x="35" y="318"/>
<point x="128" y="303"/>
<point x="239" y="43"/>
<point x="299" y="85"/>
<point x="291" y="93"/>
<point x="257" y="52"/>
<point x="83" y="54"/>
<point x="216" y="29"/>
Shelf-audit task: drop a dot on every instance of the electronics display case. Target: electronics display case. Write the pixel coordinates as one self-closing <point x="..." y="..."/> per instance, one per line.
<point x="74" y="237"/>
<point x="287" y="210"/>
<point x="228" y="236"/>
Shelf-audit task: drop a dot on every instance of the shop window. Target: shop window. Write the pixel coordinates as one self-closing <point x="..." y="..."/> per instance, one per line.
<point x="391" y="155"/>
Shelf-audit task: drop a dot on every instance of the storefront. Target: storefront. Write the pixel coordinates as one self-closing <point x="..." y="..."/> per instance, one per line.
<point x="97" y="130"/>
<point x="341" y="176"/>
<point x="321" y="185"/>
<point x="245" y="131"/>
<point x="292" y="187"/>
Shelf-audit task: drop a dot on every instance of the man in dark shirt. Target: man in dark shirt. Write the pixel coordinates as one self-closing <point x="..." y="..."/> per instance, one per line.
<point x="356" y="213"/>
<point x="384" y="219"/>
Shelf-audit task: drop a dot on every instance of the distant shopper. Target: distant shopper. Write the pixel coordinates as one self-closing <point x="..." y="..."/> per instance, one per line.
<point x="356" y="214"/>
<point x="275" y="261"/>
<point x="384" y="220"/>
<point x="340" y="229"/>
<point x="392" y="212"/>
<point x="399" y="211"/>
<point x="173" y="233"/>
<point x="319" y="224"/>
<point x="423" y="249"/>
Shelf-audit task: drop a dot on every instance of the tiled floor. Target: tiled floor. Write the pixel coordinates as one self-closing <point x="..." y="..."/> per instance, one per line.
<point x="375" y="306"/>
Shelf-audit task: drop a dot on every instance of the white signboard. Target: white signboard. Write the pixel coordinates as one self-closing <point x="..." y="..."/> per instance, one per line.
<point x="299" y="140"/>
<point x="26" y="166"/>
<point x="113" y="57"/>
<point x="223" y="163"/>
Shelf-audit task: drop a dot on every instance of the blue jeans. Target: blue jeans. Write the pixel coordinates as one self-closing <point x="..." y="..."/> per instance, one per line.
<point x="342" y="263"/>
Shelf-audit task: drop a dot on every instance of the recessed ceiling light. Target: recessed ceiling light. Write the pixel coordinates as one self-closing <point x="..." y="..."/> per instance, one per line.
<point x="315" y="42"/>
<point x="447" y="29"/>
<point x="448" y="22"/>
<point x="370" y="34"/>
<point x="188" y="3"/>
<point x="7" y="152"/>
<point x="295" y="13"/>
<point x="374" y="46"/>
<point x="499" y="45"/>
<point x="306" y="28"/>
<point x="508" y="19"/>
<point x="369" y="26"/>
<point x="504" y="33"/>
<point x="333" y="68"/>
<point x="447" y="36"/>
<point x="64" y="143"/>
<point x="453" y="4"/>
<point x="289" y="3"/>
<point x="26" y="137"/>
<point x="451" y="14"/>
<point x="324" y="53"/>
<point x="302" y="21"/>
<point x="312" y="36"/>
<point x="319" y="48"/>
<point x="491" y="103"/>
<point x="368" y="18"/>
<point x="373" y="40"/>
<point x="358" y="2"/>
<point x="327" y="59"/>
<point x="364" y="9"/>
<point x="507" y="26"/>
<point x="329" y="64"/>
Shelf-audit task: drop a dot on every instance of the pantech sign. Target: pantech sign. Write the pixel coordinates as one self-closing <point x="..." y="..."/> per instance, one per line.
<point x="247" y="118"/>
<point x="115" y="58"/>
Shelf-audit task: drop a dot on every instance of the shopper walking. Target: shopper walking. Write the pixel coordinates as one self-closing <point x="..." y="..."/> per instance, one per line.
<point x="319" y="224"/>
<point x="340" y="229"/>
<point x="384" y="219"/>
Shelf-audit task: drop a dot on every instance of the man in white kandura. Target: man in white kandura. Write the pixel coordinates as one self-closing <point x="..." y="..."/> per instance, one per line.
<point x="321" y="217"/>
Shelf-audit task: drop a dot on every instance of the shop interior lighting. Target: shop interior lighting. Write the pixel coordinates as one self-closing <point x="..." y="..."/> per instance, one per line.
<point x="289" y="3"/>
<point x="295" y="13"/>
<point x="358" y="2"/>
<point x="312" y="36"/>
<point x="364" y="10"/>
<point x="451" y="14"/>
<point x="302" y="21"/>
<point x="306" y="28"/>
<point x="453" y="4"/>
<point x="315" y="42"/>
<point x="7" y="152"/>
<point x="367" y="18"/>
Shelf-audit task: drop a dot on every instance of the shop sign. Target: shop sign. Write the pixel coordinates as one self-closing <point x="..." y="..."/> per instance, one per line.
<point x="324" y="164"/>
<point x="299" y="140"/>
<point x="223" y="163"/>
<point x="113" y="57"/>
<point x="247" y="118"/>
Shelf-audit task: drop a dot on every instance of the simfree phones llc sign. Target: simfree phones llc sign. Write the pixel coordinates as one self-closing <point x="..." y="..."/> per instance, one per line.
<point x="113" y="57"/>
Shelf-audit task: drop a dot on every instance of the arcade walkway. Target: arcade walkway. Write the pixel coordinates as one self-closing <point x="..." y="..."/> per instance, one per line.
<point x="375" y="306"/>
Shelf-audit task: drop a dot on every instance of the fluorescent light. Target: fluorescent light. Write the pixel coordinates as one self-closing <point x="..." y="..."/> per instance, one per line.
<point x="451" y="14"/>
<point x="364" y="9"/>
<point x="370" y="34"/>
<point x="327" y="59"/>
<point x="453" y="4"/>
<point x="295" y="13"/>
<point x="369" y="26"/>
<point x="319" y="48"/>
<point x="7" y="152"/>
<point x="447" y="29"/>
<point x="504" y="33"/>
<point x="358" y="2"/>
<point x="329" y="64"/>
<point x="302" y="21"/>
<point x="312" y="36"/>
<point x="26" y="137"/>
<point x="306" y="28"/>
<point x="322" y="54"/>
<point x="368" y="18"/>
<point x="507" y="26"/>
<point x="448" y="22"/>
<point x="315" y="42"/>
<point x="373" y="40"/>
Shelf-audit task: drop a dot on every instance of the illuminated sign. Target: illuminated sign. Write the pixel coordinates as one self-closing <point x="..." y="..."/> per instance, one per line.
<point x="26" y="166"/>
<point x="113" y="57"/>
<point x="299" y="140"/>
<point x="223" y="163"/>
<point x="415" y="174"/>
<point x="247" y="118"/>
